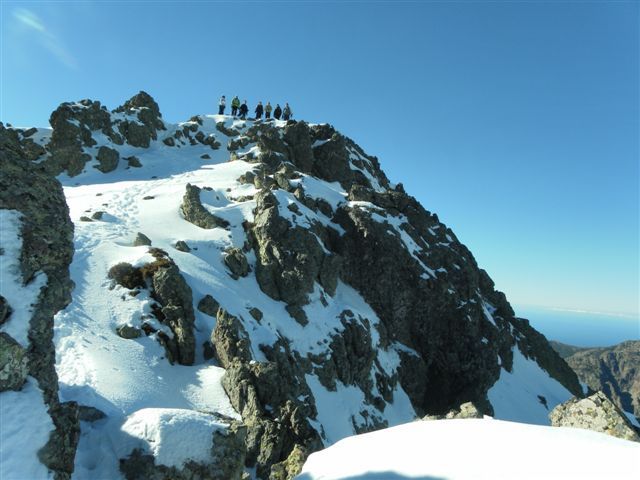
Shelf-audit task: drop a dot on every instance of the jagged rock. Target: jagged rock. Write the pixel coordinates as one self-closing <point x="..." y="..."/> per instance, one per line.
<point x="230" y="339"/>
<point x="289" y="259"/>
<point x="194" y="212"/>
<point x="126" y="275"/>
<point x="256" y="313"/>
<point x="47" y="247"/>
<point x="209" y="305"/>
<point x="298" y="314"/>
<point x="59" y="452"/>
<point x="297" y="135"/>
<point x="182" y="246"/>
<point x="29" y="132"/>
<point x="174" y="294"/>
<point x="169" y="141"/>
<point x="128" y="332"/>
<point x="595" y="413"/>
<point x="5" y="310"/>
<point x="133" y="161"/>
<point x="236" y="262"/>
<point x="84" y="218"/>
<point x="140" y="132"/>
<point x="90" y="414"/>
<point x="13" y="363"/>
<point x="108" y="159"/>
<point x="97" y="215"/>
<point x="205" y="156"/>
<point x="141" y="240"/>
<point x="466" y="410"/>
<point x="227" y="461"/>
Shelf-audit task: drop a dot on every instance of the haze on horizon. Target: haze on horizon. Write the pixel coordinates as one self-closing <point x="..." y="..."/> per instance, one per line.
<point x="517" y="123"/>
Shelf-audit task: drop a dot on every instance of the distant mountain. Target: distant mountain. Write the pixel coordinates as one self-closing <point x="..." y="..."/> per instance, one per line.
<point x="614" y="370"/>
<point x="255" y="289"/>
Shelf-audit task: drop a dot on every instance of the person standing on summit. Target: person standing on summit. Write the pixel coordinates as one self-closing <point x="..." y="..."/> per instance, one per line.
<point x="221" y="104"/>
<point x="267" y="110"/>
<point x="259" y="110"/>
<point x="286" y="114"/>
<point x="235" y="104"/>
<point x="244" y="109"/>
<point x="277" y="112"/>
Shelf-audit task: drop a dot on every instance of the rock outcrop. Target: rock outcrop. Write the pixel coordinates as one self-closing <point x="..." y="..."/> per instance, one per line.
<point x="596" y="413"/>
<point x="47" y="248"/>
<point x="195" y="213"/>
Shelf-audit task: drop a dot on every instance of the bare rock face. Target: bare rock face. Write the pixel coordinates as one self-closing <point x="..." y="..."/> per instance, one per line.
<point x="596" y="413"/>
<point x="108" y="159"/>
<point x="613" y="370"/>
<point x="47" y="246"/>
<point x="195" y="213"/>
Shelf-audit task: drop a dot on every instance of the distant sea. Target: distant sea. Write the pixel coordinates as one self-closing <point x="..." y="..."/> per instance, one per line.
<point x="582" y="329"/>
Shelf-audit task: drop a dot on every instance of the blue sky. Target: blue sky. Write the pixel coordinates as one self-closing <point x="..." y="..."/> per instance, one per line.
<point x="516" y="122"/>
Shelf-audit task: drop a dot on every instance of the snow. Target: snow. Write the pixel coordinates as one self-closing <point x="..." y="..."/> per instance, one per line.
<point x="475" y="449"/>
<point x="515" y="395"/>
<point x="25" y="430"/>
<point x="173" y="436"/>
<point x="20" y="297"/>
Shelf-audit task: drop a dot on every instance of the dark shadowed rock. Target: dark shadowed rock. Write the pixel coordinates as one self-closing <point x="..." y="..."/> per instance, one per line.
<point x="90" y="414"/>
<point x="209" y="305"/>
<point x="108" y="159"/>
<point x="133" y="161"/>
<point x="596" y="413"/>
<point x="236" y="262"/>
<point x="126" y="275"/>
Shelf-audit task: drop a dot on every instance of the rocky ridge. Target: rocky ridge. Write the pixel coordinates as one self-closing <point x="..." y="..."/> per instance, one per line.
<point x="396" y="306"/>
<point x="46" y="232"/>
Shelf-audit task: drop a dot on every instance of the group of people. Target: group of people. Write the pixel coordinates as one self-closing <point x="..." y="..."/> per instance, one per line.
<point x="241" y="110"/>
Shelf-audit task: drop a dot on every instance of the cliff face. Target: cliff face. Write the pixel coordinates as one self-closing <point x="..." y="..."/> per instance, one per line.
<point x="612" y="370"/>
<point x="297" y="267"/>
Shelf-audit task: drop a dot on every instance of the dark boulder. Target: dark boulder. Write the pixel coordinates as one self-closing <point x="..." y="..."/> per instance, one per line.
<point x="194" y="212"/>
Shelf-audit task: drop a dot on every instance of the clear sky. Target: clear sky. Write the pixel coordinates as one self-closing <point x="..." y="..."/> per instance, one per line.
<point x="516" y="122"/>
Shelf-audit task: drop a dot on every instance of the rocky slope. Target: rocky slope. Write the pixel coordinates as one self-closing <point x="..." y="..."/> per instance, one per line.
<point x="276" y="260"/>
<point x="613" y="370"/>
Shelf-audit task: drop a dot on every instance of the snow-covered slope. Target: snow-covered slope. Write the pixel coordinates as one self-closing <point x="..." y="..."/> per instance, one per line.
<point x="336" y="303"/>
<point x="470" y="449"/>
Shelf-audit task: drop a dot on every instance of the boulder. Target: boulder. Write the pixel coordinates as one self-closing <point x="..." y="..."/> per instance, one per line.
<point x="107" y="159"/>
<point x="596" y="413"/>
<point x="230" y="339"/>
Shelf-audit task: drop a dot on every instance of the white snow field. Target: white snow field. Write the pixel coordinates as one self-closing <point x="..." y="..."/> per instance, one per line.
<point x="162" y="408"/>
<point x="476" y="449"/>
